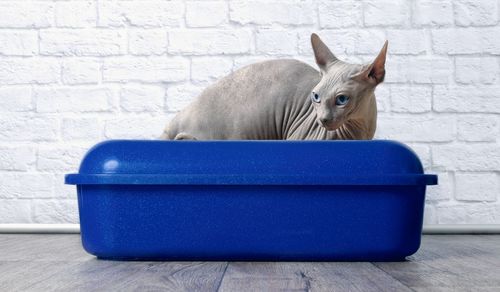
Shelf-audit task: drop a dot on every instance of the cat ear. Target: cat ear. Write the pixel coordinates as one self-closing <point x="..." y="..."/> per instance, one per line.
<point x="322" y="54"/>
<point x="375" y="72"/>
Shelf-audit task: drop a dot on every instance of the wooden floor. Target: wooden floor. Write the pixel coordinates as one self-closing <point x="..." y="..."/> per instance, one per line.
<point x="57" y="262"/>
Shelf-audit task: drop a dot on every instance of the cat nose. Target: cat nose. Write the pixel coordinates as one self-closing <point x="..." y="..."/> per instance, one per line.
<point x="324" y="121"/>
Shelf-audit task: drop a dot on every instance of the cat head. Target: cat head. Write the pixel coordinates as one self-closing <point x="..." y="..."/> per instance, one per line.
<point x="344" y="88"/>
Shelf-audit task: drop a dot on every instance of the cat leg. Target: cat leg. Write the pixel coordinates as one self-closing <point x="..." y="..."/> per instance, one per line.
<point x="184" y="136"/>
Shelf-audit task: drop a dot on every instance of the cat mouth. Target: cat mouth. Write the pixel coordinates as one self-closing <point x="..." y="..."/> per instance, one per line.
<point x="330" y="125"/>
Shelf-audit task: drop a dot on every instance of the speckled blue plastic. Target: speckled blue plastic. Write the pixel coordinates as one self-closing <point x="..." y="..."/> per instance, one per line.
<point x="251" y="200"/>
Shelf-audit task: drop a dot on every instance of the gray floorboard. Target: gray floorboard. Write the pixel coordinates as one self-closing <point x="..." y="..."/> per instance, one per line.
<point x="319" y="276"/>
<point x="35" y="262"/>
<point x="454" y="262"/>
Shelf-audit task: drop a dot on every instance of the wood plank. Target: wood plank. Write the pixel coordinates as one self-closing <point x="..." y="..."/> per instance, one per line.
<point x="40" y="262"/>
<point x="135" y="276"/>
<point x="361" y="276"/>
<point x="311" y="276"/>
<point x="58" y="262"/>
<point x="263" y="276"/>
<point x="451" y="262"/>
<point x="177" y="276"/>
<point x="456" y="289"/>
<point x="6" y="239"/>
<point x="21" y="275"/>
<point x="43" y="247"/>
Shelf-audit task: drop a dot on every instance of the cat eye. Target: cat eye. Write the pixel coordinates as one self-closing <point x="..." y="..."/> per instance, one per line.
<point x="315" y="97"/>
<point x="341" y="100"/>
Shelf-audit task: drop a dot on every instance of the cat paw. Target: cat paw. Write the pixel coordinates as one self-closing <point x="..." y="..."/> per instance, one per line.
<point x="184" y="136"/>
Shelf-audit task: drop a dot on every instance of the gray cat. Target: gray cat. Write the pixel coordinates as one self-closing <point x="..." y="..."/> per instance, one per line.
<point x="286" y="100"/>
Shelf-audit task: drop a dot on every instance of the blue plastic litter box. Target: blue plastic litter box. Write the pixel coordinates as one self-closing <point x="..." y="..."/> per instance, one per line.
<point x="251" y="200"/>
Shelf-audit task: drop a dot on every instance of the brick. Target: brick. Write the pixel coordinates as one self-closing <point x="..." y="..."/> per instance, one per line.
<point x="17" y="158"/>
<point x="417" y="128"/>
<point x="466" y="40"/>
<point x="472" y="70"/>
<point x="293" y="12"/>
<point x="433" y="13"/>
<point x="56" y="158"/>
<point x="141" y="98"/>
<point x="18" y="43"/>
<point x="363" y="41"/>
<point x="471" y="12"/>
<point x="477" y="128"/>
<point x="28" y="128"/>
<point x="140" y="13"/>
<point x="444" y="191"/>
<point x="135" y="127"/>
<point x="386" y="12"/>
<point x="55" y="211"/>
<point x="206" y="13"/>
<point x="62" y="190"/>
<point x="179" y="96"/>
<point x="412" y="99"/>
<point x="26" y="14"/>
<point x="209" y="42"/>
<point x="430" y="70"/>
<point x="468" y="213"/>
<point x="422" y="70"/>
<point x="352" y="41"/>
<point x="15" y="211"/>
<point x="210" y="68"/>
<point x="397" y="69"/>
<point x="26" y="185"/>
<point x="147" y="42"/>
<point x="382" y="96"/>
<point x="76" y="14"/>
<point x="80" y="71"/>
<point x="82" y="42"/>
<point x="81" y="129"/>
<point x="340" y="14"/>
<point x="477" y="187"/>
<point x="429" y="214"/>
<point x="73" y="99"/>
<point x="15" y="99"/>
<point x="466" y="99"/>
<point x="406" y="41"/>
<point x="466" y="157"/>
<point x="276" y="42"/>
<point x="457" y="41"/>
<point x="424" y="154"/>
<point x="29" y="70"/>
<point x="151" y="69"/>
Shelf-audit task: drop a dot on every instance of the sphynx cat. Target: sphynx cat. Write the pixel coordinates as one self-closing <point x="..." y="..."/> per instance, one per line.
<point x="287" y="100"/>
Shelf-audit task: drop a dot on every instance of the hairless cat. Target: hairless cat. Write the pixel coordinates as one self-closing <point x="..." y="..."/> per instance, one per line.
<point x="287" y="100"/>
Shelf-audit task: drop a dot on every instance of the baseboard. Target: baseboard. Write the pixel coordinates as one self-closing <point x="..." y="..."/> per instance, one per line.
<point x="40" y="228"/>
<point x="428" y="229"/>
<point x="461" y="229"/>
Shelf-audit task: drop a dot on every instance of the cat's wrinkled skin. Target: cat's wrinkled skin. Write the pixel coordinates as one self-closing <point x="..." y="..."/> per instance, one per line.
<point x="272" y="101"/>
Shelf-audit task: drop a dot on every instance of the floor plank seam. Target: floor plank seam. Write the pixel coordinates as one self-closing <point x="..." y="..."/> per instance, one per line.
<point x="307" y="280"/>
<point x="222" y="277"/>
<point x="376" y="266"/>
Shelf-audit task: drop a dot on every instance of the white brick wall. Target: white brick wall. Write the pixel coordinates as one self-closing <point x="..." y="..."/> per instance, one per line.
<point x="75" y="72"/>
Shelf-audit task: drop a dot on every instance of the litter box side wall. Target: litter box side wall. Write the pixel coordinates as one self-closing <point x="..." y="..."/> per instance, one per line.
<point x="217" y="222"/>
